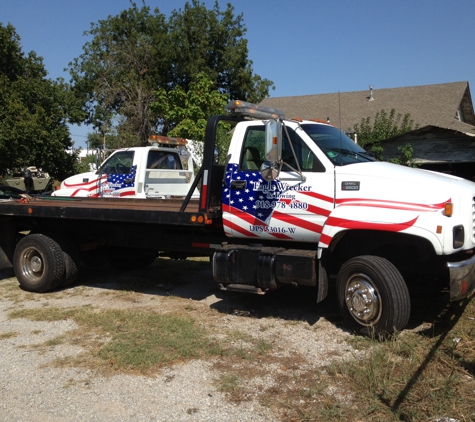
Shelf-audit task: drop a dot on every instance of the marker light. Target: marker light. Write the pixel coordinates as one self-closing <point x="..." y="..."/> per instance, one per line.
<point x="243" y="108"/>
<point x="448" y="209"/>
<point x="165" y="140"/>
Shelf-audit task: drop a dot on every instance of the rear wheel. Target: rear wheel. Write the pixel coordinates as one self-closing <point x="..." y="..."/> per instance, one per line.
<point x="38" y="263"/>
<point x="70" y="257"/>
<point x="372" y="296"/>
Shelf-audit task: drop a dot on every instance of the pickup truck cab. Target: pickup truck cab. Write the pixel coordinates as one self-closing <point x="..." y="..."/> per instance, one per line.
<point x="162" y="170"/>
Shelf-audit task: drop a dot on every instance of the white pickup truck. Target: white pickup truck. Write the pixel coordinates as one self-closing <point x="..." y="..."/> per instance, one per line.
<point x="162" y="170"/>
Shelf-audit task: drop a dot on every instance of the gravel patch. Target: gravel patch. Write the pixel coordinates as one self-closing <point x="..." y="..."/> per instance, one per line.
<point x="33" y="389"/>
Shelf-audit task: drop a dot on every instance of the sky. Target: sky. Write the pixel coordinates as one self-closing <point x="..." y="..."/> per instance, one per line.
<point x="304" y="46"/>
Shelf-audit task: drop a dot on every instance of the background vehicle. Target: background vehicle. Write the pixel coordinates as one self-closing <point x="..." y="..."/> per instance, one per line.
<point x="33" y="181"/>
<point x="162" y="170"/>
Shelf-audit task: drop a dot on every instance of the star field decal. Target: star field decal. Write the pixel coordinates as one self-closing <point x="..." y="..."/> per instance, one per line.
<point x="120" y="181"/>
<point x="256" y="197"/>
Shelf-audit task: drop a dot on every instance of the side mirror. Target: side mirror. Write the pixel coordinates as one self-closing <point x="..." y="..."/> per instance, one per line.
<point x="270" y="171"/>
<point x="273" y="133"/>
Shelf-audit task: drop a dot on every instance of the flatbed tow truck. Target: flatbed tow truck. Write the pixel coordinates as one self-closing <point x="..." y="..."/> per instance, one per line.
<point x="297" y="202"/>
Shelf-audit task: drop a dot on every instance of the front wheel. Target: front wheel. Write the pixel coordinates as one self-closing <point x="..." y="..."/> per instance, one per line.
<point x="372" y="296"/>
<point x="38" y="263"/>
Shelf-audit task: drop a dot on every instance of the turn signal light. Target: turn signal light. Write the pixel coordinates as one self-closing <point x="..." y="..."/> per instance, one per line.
<point x="448" y="209"/>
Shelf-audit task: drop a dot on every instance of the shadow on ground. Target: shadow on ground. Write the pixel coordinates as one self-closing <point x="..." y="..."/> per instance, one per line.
<point x="194" y="280"/>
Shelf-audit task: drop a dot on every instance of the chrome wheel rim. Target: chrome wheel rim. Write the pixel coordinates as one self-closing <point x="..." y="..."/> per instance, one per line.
<point x="32" y="265"/>
<point x="362" y="299"/>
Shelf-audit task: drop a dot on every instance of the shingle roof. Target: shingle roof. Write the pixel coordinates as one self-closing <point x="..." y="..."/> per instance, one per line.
<point x="427" y="104"/>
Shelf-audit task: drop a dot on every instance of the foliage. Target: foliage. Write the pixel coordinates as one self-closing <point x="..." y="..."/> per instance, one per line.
<point x="105" y="141"/>
<point x="138" y="53"/>
<point x="211" y="41"/>
<point x="406" y="158"/>
<point x="34" y="111"/>
<point x="370" y="135"/>
<point x="187" y="113"/>
<point x="85" y="165"/>
<point x="385" y="126"/>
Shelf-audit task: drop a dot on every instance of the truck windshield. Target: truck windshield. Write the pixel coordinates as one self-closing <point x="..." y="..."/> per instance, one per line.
<point x="338" y="147"/>
<point x="118" y="163"/>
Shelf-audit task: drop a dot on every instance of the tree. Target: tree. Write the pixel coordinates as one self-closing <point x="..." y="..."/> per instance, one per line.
<point x="34" y="111"/>
<point x="135" y="54"/>
<point x="370" y="135"/>
<point x="212" y="41"/>
<point x="187" y="113"/>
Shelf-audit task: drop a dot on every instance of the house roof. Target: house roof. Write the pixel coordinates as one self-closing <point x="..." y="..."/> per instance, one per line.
<point x="446" y="105"/>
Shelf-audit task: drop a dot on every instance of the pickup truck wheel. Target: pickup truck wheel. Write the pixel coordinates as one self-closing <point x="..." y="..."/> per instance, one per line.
<point x="372" y="296"/>
<point x="129" y="259"/>
<point x="38" y="263"/>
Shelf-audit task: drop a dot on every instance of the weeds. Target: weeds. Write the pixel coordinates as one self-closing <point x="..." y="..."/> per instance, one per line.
<point x="413" y="376"/>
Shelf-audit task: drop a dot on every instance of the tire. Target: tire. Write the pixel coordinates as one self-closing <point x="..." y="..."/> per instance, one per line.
<point x="71" y="260"/>
<point x="70" y="257"/>
<point x="129" y="259"/>
<point x="38" y="263"/>
<point x="372" y="296"/>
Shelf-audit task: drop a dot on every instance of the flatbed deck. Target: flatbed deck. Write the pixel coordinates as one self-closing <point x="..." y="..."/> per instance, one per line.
<point x="162" y="211"/>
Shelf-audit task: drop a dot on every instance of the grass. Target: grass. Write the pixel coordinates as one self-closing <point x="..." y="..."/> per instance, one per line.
<point x="128" y="340"/>
<point x="413" y="376"/>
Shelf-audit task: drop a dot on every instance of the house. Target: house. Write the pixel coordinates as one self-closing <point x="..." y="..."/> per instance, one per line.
<point x="444" y="113"/>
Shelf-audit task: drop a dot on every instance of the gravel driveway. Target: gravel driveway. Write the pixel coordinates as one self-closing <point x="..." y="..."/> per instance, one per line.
<point x="305" y="338"/>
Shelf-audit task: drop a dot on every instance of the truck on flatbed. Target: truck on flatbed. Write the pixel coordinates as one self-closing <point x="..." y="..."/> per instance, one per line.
<point x="296" y="202"/>
<point x="162" y="170"/>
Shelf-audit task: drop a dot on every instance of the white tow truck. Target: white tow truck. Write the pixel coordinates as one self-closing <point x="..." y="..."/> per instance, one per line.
<point x="162" y="170"/>
<point x="296" y="203"/>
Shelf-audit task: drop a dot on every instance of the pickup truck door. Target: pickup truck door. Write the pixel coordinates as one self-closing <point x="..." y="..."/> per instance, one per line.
<point x="117" y="175"/>
<point x="293" y="207"/>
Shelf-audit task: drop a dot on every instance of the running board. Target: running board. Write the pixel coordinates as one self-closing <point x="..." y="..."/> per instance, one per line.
<point x="245" y="288"/>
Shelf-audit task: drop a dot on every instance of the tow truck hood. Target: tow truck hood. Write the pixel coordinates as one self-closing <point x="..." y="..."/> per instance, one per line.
<point x="382" y="180"/>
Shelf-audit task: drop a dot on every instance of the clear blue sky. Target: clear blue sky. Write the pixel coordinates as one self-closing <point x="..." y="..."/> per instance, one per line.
<point x="304" y="46"/>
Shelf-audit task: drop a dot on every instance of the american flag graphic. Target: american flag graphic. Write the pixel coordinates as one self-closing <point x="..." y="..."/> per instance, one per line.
<point x="256" y="195"/>
<point x="119" y="184"/>
<point x="250" y="201"/>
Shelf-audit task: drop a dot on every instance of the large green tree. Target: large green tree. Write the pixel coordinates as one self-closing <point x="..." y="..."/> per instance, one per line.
<point x="34" y="111"/>
<point x="187" y="113"/>
<point x="133" y="55"/>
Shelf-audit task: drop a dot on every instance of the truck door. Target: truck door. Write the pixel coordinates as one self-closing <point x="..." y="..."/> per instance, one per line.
<point x="117" y="176"/>
<point x="293" y="207"/>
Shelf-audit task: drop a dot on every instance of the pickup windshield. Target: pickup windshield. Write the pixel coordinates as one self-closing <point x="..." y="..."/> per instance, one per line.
<point x="338" y="147"/>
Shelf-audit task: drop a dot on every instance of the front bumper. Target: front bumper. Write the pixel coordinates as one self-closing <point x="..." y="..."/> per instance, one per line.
<point x="462" y="278"/>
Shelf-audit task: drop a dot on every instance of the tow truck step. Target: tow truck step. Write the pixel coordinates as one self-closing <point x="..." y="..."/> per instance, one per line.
<point x="245" y="288"/>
